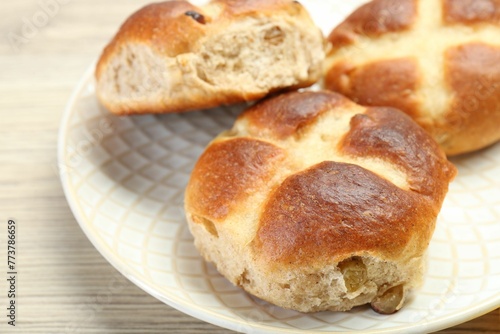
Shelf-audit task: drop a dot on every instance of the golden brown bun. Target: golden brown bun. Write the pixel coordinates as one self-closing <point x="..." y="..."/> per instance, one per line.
<point x="438" y="61"/>
<point x="313" y="202"/>
<point x="173" y="56"/>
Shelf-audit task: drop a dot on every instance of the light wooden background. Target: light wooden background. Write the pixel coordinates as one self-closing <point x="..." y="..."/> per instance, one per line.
<point x="64" y="282"/>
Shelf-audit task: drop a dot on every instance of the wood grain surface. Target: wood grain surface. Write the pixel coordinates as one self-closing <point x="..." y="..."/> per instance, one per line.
<point x="63" y="282"/>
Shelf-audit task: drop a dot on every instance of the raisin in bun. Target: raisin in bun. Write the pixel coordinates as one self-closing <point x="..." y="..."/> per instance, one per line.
<point x="437" y="60"/>
<point x="313" y="202"/>
<point x="173" y="56"/>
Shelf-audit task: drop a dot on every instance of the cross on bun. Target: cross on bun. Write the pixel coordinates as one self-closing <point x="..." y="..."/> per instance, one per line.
<point x="313" y="202"/>
<point x="173" y="56"/>
<point x="437" y="60"/>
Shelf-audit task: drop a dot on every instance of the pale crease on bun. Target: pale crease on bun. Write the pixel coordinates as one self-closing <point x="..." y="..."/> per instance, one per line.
<point x="173" y="56"/>
<point x="438" y="61"/>
<point x="314" y="203"/>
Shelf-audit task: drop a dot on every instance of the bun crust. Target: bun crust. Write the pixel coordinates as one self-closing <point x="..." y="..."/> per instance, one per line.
<point x="325" y="206"/>
<point x="438" y="61"/>
<point x="173" y="56"/>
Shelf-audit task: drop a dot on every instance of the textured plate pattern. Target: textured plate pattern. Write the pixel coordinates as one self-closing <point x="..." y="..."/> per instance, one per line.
<point x="124" y="179"/>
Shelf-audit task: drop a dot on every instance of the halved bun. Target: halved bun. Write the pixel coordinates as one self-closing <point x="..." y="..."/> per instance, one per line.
<point x="173" y="56"/>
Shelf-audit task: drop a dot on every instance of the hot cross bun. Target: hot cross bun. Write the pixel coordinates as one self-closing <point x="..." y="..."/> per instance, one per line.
<point x="437" y="60"/>
<point x="173" y="56"/>
<point x="313" y="202"/>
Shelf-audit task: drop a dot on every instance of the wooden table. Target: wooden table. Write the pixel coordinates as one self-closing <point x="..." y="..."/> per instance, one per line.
<point x="61" y="275"/>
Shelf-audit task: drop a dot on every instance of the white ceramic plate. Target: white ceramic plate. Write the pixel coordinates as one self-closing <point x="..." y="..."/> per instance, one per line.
<point x="124" y="179"/>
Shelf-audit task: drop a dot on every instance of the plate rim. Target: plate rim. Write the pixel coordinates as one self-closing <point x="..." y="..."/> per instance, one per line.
<point x="206" y="314"/>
